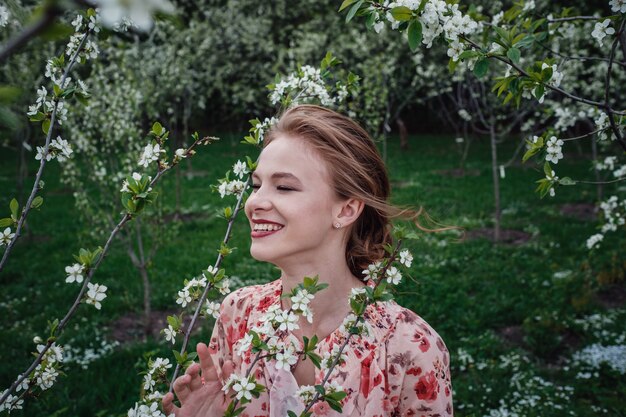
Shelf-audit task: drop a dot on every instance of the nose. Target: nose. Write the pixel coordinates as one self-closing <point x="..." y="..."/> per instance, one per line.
<point x="258" y="201"/>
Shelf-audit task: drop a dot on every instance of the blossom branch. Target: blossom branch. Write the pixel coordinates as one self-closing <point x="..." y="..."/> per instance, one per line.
<point x="218" y="263"/>
<point x="551" y="87"/>
<point x="337" y="357"/>
<point x="42" y="164"/>
<point x="56" y="331"/>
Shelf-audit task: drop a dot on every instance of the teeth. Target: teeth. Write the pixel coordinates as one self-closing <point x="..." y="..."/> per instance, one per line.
<point x="266" y="227"/>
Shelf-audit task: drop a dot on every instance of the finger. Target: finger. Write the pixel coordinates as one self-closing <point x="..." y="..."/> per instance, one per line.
<point x="206" y="363"/>
<point x="168" y="404"/>
<point x="194" y="372"/>
<point x="228" y="369"/>
<point x="181" y="387"/>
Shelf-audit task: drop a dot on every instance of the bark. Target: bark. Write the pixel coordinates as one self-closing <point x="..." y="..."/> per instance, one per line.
<point x="404" y="135"/>
<point x="496" y="183"/>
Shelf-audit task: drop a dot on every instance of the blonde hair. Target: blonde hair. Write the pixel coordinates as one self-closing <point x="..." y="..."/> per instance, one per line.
<point x="356" y="171"/>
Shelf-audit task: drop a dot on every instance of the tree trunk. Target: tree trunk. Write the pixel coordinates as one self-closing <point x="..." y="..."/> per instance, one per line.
<point x="404" y="135"/>
<point x="596" y="173"/>
<point x="140" y="262"/>
<point x="496" y="184"/>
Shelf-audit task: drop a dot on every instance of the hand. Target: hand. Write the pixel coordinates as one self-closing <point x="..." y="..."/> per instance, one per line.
<point x="198" y="398"/>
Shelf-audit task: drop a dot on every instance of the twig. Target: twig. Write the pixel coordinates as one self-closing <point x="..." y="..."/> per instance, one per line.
<point x="583" y="136"/>
<point x="549" y="86"/>
<point x="579" y="58"/>
<point x="42" y="164"/>
<point x="569" y="19"/>
<point x="607" y="86"/>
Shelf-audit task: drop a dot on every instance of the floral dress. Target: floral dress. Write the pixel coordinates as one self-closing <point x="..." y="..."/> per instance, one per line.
<point x="401" y="368"/>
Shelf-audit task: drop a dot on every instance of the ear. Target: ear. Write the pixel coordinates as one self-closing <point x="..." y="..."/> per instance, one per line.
<point x="349" y="211"/>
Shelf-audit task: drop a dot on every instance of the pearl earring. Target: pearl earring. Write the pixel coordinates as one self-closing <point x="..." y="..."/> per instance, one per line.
<point x="337" y="225"/>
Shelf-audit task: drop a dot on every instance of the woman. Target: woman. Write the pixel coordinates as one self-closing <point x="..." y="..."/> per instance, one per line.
<point x="319" y="207"/>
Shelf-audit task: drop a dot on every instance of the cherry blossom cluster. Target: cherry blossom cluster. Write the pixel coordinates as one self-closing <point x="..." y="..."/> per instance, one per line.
<point x="244" y="387"/>
<point x="59" y="148"/>
<point x="306" y="85"/>
<point x="610" y="163"/>
<point x="43" y="377"/>
<point x="191" y="292"/>
<point x="437" y="18"/>
<point x="554" y="150"/>
<point x="614" y="216"/>
<point x="149" y="406"/>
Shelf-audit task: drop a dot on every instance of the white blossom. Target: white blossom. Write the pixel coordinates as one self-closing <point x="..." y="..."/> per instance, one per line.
<point x="12" y="402"/>
<point x="556" y="78"/>
<point x="6" y="236"/>
<point x="240" y="169"/>
<point x="95" y="294"/>
<point x="5" y="15"/>
<point x="61" y="148"/>
<point x="301" y="300"/>
<point x="244" y="344"/>
<point x="212" y="309"/>
<point x="553" y="150"/>
<point x="170" y="334"/>
<point x="393" y="275"/>
<point x="594" y="240"/>
<point x="243" y="388"/>
<point x="286" y="358"/>
<point x="150" y="154"/>
<point x="286" y="321"/>
<point x="618" y="6"/>
<point x="406" y="258"/>
<point x="372" y="270"/>
<point x="74" y="273"/>
<point x="600" y="31"/>
<point x="45" y="377"/>
<point x="184" y="298"/>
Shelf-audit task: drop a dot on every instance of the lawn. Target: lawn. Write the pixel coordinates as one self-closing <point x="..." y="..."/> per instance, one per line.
<point x="530" y="325"/>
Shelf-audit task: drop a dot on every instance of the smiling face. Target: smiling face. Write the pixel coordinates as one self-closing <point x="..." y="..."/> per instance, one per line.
<point x="292" y="205"/>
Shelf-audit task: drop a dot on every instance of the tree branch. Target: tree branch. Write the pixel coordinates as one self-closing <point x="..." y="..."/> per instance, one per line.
<point x="42" y="164"/>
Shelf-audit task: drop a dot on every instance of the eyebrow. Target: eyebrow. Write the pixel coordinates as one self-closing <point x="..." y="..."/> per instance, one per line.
<point x="279" y="175"/>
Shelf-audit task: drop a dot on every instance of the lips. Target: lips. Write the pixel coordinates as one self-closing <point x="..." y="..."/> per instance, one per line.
<point x="262" y="228"/>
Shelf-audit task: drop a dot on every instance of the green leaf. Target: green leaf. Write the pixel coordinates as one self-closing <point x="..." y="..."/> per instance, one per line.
<point x="334" y="405"/>
<point x="157" y="129"/>
<point x="514" y="55"/>
<point x="504" y="35"/>
<point x="402" y="13"/>
<point x="345" y="4"/>
<point x="289" y="412"/>
<point x="353" y="10"/>
<point x="45" y="126"/>
<point x="468" y="54"/>
<point x="37" y="202"/>
<point x="6" y="222"/>
<point x="452" y="64"/>
<point x="415" y="34"/>
<point x="14" y="206"/>
<point x="481" y="67"/>
<point x="567" y="181"/>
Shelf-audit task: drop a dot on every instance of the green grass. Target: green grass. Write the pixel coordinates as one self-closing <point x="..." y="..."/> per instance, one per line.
<point x="472" y="292"/>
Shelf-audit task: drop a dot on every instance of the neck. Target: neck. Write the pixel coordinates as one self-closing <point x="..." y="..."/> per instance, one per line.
<point x="329" y="304"/>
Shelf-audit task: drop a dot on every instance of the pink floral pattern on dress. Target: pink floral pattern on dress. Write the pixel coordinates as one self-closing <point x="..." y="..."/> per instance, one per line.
<point x="401" y="369"/>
